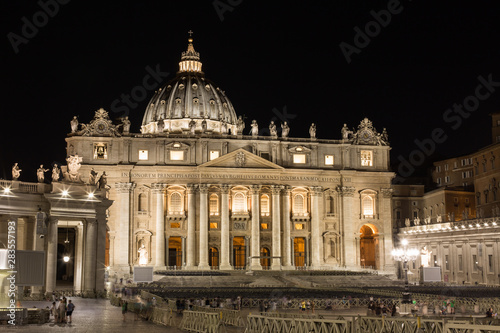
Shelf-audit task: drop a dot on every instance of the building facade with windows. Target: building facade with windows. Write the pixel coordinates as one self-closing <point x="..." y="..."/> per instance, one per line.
<point x="196" y="190"/>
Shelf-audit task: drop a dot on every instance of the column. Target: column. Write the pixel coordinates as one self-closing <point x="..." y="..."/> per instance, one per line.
<point x="160" y="226"/>
<point x="276" y="230"/>
<point x="122" y="242"/>
<point x="51" y="256"/>
<point x="292" y="240"/>
<point x="78" y="281"/>
<point x="287" y="248"/>
<point x="247" y="251"/>
<point x="224" y="229"/>
<point x="307" y="262"/>
<point x="183" y="249"/>
<point x="167" y="259"/>
<point x="203" y="264"/>
<point x="37" y="246"/>
<point x="231" y="258"/>
<point x="316" y="193"/>
<point x="255" y="231"/>
<point x="90" y="255"/>
<point x="386" y="262"/>
<point x="191" y="227"/>
<point x="346" y="224"/>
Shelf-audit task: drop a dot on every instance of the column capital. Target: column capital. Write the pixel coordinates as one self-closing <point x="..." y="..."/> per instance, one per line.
<point x="124" y="187"/>
<point x="158" y="187"/>
<point x="52" y="220"/>
<point x="203" y="188"/>
<point x="346" y="191"/>
<point x="224" y="188"/>
<point x="191" y="188"/>
<point x="276" y="189"/>
<point x="91" y="221"/>
<point x="386" y="192"/>
<point x="316" y="190"/>
<point x="286" y="189"/>
<point x="254" y="189"/>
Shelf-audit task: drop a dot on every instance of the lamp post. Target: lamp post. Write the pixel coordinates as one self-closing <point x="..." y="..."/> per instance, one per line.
<point x="404" y="255"/>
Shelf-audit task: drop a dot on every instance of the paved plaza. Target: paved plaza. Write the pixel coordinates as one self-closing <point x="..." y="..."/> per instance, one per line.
<point x="98" y="315"/>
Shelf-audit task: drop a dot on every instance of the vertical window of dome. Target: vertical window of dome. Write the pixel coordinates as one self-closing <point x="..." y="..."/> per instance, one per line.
<point x="178" y="100"/>
<point x="162" y="102"/>
<point x="212" y="102"/>
<point x="195" y="86"/>
<point x="169" y="87"/>
<point x="207" y="87"/>
<point x="143" y="155"/>
<point x="181" y="86"/>
<point x="196" y="101"/>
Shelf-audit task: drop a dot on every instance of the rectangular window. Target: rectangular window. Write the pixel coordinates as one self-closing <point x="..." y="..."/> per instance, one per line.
<point x="474" y="263"/>
<point x="328" y="159"/>
<point x="460" y="263"/>
<point x="176" y="155"/>
<point x="175" y="225"/>
<point x="143" y="155"/>
<point x="447" y="179"/>
<point x="435" y="260"/>
<point x="366" y="158"/>
<point x="264" y="226"/>
<point x="490" y="263"/>
<point x="299" y="226"/>
<point x="438" y="168"/>
<point x="446" y="167"/>
<point x="265" y="155"/>
<point x="439" y="181"/>
<point x="446" y="262"/>
<point x="214" y="154"/>
<point x="398" y="214"/>
<point x="214" y="225"/>
<point x="299" y="158"/>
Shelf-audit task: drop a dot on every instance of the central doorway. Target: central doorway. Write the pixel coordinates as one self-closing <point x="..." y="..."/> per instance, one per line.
<point x="175" y="252"/>
<point x="239" y="253"/>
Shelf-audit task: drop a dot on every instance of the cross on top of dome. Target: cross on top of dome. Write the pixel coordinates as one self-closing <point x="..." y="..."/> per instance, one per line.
<point x="190" y="60"/>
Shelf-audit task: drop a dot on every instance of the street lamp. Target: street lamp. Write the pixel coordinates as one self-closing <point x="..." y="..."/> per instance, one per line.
<point x="405" y="254"/>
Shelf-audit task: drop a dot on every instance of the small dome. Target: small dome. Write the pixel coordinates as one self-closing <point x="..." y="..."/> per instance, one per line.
<point x="189" y="97"/>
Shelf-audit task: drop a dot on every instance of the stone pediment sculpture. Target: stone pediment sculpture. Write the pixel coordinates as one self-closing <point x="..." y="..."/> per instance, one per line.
<point x="101" y="125"/>
<point x="72" y="174"/>
<point x="368" y="135"/>
<point x="240" y="158"/>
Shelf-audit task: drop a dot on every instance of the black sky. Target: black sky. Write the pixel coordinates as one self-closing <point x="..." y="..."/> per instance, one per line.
<point x="279" y="55"/>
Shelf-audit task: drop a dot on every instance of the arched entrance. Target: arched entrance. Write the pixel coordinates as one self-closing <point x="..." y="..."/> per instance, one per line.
<point x="265" y="258"/>
<point x="213" y="258"/>
<point x="175" y="252"/>
<point x="368" y="247"/>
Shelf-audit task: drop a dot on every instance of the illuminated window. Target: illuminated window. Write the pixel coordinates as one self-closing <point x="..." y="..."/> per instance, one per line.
<point x="143" y="155"/>
<point x="299" y="226"/>
<point x="298" y="204"/>
<point x="264" y="226"/>
<point x="239" y="201"/>
<point x="328" y="159"/>
<point x="368" y="206"/>
<point x="214" y="154"/>
<point x="100" y="151"/>
<point x="175" y="202"/>
<point x="214" y="204"/>
<point x="214" y="225"/>
<point x="366" y="158"/>
<point x="264" y="205"/>
<point x="299" y="158"/>
<point x="176" y="155"/>
<point x="175" y="225"/>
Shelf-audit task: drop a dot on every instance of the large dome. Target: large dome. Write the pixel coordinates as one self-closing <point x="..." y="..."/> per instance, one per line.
<point x="190" y="100"/>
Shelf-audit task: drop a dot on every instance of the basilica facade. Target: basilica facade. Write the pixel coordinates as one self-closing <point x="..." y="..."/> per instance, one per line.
<point x="195" y="190"/>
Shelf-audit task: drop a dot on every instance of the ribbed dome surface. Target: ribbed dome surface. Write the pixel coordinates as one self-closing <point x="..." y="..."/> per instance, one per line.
<point x="189" y="97"/>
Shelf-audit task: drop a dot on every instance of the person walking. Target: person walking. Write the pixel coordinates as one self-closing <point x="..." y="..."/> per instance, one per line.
<point x="53" y="311"/>
<point x="69" y="311"/>
<point x="62" y="310"/>
<point x="124" y="309"/>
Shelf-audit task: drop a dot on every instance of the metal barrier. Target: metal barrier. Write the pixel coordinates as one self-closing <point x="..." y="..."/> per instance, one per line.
<point x="290" y="315"/>
<point x="265" y="324"/>
<point x="203" y="322"/>
<point x="162" y="316"/>
<point x="227" y="316"/>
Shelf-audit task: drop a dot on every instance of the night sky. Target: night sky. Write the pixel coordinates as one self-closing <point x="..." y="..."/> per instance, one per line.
<point x="279" y="59"/>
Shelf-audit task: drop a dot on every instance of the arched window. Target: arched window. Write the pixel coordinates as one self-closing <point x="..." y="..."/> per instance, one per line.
<point x="368" y="206"/>
<point x="239" y="203"/>
<point x="264" y="205"/>
<point x="299" y="204"/>
<point x="214" y="204"/>
<point x="175" y="202"/>
<point x="142" y="202"/>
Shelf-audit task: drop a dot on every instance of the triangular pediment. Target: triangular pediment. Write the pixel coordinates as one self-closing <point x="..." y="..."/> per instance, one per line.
<point x="240" y="158"/>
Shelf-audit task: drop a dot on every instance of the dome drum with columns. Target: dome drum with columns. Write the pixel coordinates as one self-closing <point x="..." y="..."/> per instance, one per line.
<point x="190" y="102"/>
